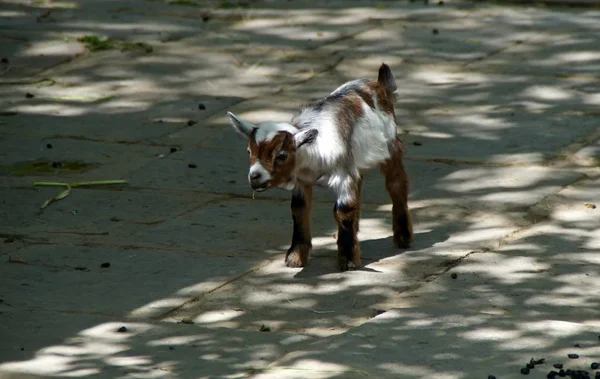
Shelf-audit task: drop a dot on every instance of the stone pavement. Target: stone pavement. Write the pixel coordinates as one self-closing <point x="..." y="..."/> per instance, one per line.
<point x="498" y="106"/>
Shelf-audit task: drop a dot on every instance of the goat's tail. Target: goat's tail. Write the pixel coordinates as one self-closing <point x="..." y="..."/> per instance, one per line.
<point x="386" y="79"/>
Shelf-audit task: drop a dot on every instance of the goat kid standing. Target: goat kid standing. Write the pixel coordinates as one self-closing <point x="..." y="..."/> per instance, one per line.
<point x="331" y="142"/>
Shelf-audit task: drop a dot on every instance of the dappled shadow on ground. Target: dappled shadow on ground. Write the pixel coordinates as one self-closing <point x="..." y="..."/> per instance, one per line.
<point x="488" y="105"/>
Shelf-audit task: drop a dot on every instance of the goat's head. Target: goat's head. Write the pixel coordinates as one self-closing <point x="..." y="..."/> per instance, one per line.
<point x="272" y="148"/>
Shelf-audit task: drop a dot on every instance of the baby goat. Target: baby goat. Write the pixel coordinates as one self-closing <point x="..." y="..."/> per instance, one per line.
<point x="330" y="143"/>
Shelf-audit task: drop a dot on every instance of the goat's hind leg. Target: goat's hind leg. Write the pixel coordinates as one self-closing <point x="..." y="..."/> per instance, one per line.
<point x="298" y="253"/>
<point x="396" y="183"/>
<point x="347" y="214"/>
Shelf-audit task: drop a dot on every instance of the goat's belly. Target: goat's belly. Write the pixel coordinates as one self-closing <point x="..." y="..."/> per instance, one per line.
<point x="366" y="159"/>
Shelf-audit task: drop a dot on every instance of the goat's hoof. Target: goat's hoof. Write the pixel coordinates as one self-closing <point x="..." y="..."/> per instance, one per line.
<point x="345" y="265"/>
<point x="403" y="241"/>
<point x="298" y="257"/>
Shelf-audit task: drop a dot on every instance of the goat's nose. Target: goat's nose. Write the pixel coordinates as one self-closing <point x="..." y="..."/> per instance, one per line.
<point x="255" y="176"/>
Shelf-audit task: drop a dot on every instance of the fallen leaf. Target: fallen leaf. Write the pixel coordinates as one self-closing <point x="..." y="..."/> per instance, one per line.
<point x="16" y="260"/>
<point x="590" y="205"/>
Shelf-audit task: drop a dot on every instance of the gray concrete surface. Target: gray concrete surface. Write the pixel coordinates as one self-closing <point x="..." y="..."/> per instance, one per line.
<point x="498" y="108"/>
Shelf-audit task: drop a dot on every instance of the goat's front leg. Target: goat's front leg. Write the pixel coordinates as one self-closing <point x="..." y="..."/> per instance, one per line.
<point x="297" y="255"/>
<point x="347" y="213"/>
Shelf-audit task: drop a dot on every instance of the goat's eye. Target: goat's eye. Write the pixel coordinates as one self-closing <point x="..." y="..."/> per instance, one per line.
<point x="281" y="156"/>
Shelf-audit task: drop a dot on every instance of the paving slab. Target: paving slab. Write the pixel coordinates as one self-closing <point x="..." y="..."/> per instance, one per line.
<point x="155" y="350"/>
<point x="35" y="269"/>
<point x="101" y="215"/>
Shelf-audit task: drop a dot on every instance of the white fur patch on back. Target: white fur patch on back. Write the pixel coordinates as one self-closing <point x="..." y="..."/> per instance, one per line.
<point x="371" y="138"/>
<point x="267" y="130"/>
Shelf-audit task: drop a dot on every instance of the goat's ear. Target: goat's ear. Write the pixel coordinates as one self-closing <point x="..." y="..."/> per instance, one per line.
<point x="245" y="128"/>
<point x="305" y="136"/>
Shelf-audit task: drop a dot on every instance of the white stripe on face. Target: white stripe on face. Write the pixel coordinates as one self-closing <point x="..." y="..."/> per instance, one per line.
<point x="258" y="174"/>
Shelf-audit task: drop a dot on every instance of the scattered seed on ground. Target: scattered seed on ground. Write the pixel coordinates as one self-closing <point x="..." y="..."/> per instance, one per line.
<point x="173" y="150"/>
<point x="115" y="219"/>
<point x="454" y="275"/>
<point x="22" y="349"/>
<point x="57" y="164"/>
<point x="122" y="329"/>
<point x="81" y="268"/>
<point x="539" y="361"/>
<point x="191" y="122"/>
<point x="525" y="371"/>
<point x="49" y="146"/>
<point x="201" y="106"/>
<point x="435" y="32"/>
<point x="171" y="348"/>
<point x="577" y="345"/>
<point x="192" y="165"/>
<point x="417" y="143"/>
<point x="187" y="321"/>
<point x="573" y="356"/>
<point x="105" y="265"/>
<point x="591" y="206"/>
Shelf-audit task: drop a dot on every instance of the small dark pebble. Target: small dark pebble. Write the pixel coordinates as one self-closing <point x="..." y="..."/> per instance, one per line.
<point x="4" y="60"/>
<point x="558" y="365"/>
<point x="81" y="268"/>
<point x="231" y="181"/>
<point x="454" y="275"/>
<point x="440" y="3"/>
<point x="201" y="106"/>
<point x="573" y="356"/>
<point x="187" y="321"/>
<point x="552" y="374"/>
<point x="22" y="349"/>
<point x="192" y="165"/>
<point x="105" y="265"/>
<point x="436" y="32"/>
<point x="122" y="329"/>
<point x="29" y="95"/>
<point x="171" y="348"/>
<point x="417" y="143"/>
<point x="530" y="365"/>
<point x="595" y="366"/>
<point x="491" y="377"/>
<point x="562" y="373"/>
<point x="205" y="18"/>
<point x="173" y="150"/>
<point x="539" y="361"/>
<point x="525" y="371"/>
<point x="264" y="328"/>
<point x="57" y="164"/>
<point x="191" y="122"/>
<point x="115" y="219"/>
<point x="577" y="345"/>
<point x="49" y="145"/>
